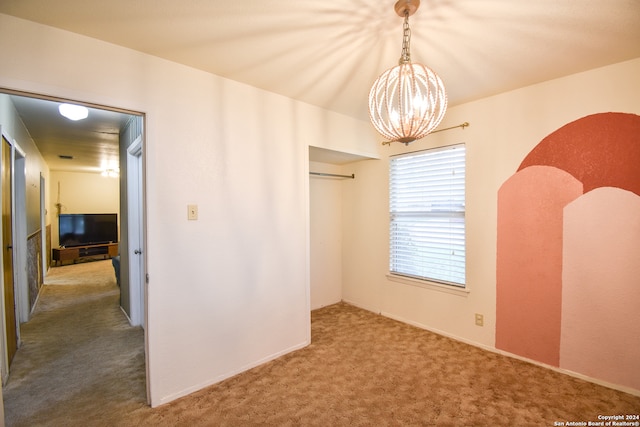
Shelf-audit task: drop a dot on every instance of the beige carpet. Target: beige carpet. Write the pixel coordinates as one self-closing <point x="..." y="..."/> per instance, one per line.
<point x="79" y="361"/>
<point x="361" y="370"/>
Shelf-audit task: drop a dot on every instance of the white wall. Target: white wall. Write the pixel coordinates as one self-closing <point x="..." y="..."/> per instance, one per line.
<point x="35" y="166"/>
<point x="325" y="203"/>
<point x="231" y="290"/>
<point x="12" y="125"/>
<point x="503" y="129"/>
<point x="81" y="192"/>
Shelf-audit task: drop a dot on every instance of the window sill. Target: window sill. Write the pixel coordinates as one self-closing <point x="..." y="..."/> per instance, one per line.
<point x="463" y="292"/>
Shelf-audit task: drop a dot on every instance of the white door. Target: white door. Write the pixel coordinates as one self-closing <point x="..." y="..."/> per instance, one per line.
<point x="136" y="238"/>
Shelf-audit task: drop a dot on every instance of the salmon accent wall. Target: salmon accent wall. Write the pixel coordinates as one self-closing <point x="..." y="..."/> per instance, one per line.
<point x="529" y="275"/>
<point x="601" y="286"/>
<point x="568" y="251"/>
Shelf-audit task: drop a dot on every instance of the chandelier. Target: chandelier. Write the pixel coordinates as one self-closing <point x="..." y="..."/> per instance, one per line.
<point x="407" y="101"/>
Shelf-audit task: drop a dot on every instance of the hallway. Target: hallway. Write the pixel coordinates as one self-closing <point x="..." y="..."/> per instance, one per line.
<point x="78" y="351"/>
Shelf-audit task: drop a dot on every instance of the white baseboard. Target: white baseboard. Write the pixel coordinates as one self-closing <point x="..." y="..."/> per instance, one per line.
<point x="127" y="316"/>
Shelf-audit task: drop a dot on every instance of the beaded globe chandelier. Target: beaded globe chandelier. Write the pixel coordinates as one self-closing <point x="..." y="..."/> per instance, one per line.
<point x="407" y="101"/>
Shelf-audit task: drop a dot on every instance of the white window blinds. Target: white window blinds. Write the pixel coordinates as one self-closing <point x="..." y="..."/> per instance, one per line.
<point x="427" y="207"/>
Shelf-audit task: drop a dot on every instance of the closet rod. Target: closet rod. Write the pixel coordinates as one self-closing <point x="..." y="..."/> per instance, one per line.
<point x="352" y="176"/>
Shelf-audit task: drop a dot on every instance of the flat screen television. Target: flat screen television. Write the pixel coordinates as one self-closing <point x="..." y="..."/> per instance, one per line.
<point x="87" y="229"/>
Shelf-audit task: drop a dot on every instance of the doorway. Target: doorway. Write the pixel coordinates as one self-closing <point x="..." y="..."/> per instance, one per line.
<point x="32" y="108"/>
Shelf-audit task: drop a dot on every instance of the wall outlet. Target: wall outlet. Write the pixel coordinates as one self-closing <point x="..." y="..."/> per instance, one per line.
<point x="479" y="319"/>
<point x="192" y="212"/>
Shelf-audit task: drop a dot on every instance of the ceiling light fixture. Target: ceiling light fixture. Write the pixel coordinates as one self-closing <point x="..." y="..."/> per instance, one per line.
<point x="407" y="101"/>
<point x="111" y="173"/>
<point x="73" y="112"/>
<point x="110" y="168"/>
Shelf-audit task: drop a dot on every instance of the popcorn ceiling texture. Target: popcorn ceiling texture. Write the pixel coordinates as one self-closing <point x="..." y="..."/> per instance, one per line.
<point x="82" y="364"/>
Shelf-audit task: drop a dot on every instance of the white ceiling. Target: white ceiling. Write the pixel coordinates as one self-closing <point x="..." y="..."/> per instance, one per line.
<point x="329" y="52"/>
<point x="88" y="145"/>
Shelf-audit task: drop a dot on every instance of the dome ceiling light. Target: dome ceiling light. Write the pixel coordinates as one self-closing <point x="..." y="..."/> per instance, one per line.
<point x="73" y="112"/>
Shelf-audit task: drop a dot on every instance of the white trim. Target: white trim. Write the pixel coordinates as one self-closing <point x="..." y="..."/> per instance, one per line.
<point x="126" y="315"/>
<point x="18" y="149"/>
<point x="18" y="252"/>
<point x="4" y="365"/>
<point x="135" y="233"/>
<point x="35" y="303"/>
<point x="426" y="284"/>
<point x="42" y="182"/>
<point x="19" y="240"/>
<point x="307" y="215"/>
<point x="135" y="149"/>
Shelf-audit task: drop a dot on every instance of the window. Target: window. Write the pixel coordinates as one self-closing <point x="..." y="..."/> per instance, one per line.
<point x="427" y="210"/>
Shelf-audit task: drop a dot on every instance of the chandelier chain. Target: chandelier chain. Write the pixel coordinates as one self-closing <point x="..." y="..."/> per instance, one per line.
<point x="405" y="56"/>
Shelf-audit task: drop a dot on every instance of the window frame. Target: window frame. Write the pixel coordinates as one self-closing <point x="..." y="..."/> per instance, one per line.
<point x="418" y="215"/>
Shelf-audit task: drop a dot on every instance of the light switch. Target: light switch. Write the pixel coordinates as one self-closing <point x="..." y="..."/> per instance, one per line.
<point x="192" y="212"/>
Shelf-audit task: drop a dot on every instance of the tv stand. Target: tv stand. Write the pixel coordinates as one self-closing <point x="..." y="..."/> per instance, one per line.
<point x="107" y="250"/>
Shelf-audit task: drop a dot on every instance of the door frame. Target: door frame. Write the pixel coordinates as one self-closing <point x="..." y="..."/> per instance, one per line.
<point x="135" y="235"/>
<point x="19" y="252"/>
<point x="44" y="252"/>
<point x="19" y="219"/>
<point x="3" y="347"/>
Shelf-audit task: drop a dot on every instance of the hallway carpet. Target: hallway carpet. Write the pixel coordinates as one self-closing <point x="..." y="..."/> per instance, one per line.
<point x="361" y="369"/>
<point x="80" y="361"/>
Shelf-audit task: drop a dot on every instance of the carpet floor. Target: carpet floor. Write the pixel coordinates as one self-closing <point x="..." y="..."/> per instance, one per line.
<point x="80" y="361"/>
<point x="82" y="365"/>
